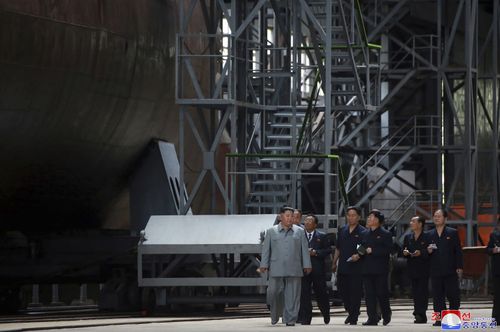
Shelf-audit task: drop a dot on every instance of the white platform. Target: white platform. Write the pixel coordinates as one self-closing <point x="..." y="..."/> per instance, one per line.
<point x="205" y="234"/>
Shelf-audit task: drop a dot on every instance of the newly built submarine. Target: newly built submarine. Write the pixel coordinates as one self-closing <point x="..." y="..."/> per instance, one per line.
<point x="84" y="87"/>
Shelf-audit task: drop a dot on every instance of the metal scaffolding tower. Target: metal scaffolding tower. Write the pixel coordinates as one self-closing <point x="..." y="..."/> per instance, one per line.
<point x="305" y="89"/>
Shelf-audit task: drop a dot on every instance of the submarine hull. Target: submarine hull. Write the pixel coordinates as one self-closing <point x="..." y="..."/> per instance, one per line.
<point x="84" y="87"/>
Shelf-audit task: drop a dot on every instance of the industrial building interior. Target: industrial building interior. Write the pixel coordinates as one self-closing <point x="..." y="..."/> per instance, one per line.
<point x="314" y="104"/>
<point x="384" y="104"/>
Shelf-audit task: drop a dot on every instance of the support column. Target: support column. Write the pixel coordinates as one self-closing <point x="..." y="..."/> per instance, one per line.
<point x="470" y="148"/>
<point x="328" y="110"/>
<point x="439" y="106"/>
<point x="495" y="104"/>
<point x="35" y="296"/>
<point x="55" y="296"/>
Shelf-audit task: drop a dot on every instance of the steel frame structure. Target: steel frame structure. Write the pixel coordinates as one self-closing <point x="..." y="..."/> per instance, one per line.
<point x="260" y="75"/>
<point x="313" y="67"/>
<point x="469" y="77"/>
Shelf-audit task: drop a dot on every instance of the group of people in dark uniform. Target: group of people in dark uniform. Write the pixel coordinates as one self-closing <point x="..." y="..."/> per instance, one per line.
<point x="361" y="263"/>
<point x="362" y="259"/>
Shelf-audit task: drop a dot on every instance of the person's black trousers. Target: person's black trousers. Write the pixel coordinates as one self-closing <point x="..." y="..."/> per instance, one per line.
<point x="318" y="283"/>
<point x="350" y="287"/>
<point x="496" y="298"/>
<point x="420" y="295"/>
<point x="377" y="288"/>
<point x="445" y="286"/>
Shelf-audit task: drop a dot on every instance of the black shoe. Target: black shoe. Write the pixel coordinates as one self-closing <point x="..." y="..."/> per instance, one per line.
<point x="353" y="322"/>
<point x="437" y="323"/>
<point x="387" y="319"/>
<point x="370" y="322"/>
<point x="326" y="319"/>
<point x="273" y="322"/>
<point x="419" y="319"/>
<point x="290" y="324"/>
<point x="347" y="320"/>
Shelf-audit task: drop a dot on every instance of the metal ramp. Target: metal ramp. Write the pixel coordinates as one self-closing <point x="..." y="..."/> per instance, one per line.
<point x="223" y="248"/>
<point x="202" y="259"/>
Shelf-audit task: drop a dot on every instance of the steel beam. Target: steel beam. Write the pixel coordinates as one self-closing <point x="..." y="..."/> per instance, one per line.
<point x="470" y="149"/>
<point x="328" y="134"/>
<point x="495" y="105"/>
<point x="193" y="282"/>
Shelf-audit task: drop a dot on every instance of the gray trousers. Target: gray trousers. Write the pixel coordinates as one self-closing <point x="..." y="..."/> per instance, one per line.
<point x="283" y="296"/>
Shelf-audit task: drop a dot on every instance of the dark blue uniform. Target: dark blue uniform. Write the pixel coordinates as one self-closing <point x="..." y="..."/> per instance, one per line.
<point x="317" y="278"/>
<point x="376" y="272"/>
<point x="495" y="264"/>
<point x="444" y="262"/>
<point x="349" y="280"/>
<point x="418" y="272"/>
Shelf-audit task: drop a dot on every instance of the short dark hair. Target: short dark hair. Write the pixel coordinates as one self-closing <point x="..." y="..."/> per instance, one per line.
<point x="298" y="210"/>
<point x="420" y="219"/>
<point x="286" y="208"/>
<point x="379" y="215"/>
<point x="355" y="208"/>
<point x="310" y="215"/>
<point x="443" y="211"/>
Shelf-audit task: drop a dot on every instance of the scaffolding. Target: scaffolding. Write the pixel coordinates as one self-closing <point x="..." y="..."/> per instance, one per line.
<point x="401" y="97"/>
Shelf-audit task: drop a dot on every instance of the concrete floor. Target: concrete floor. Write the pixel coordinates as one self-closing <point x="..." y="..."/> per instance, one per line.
<point x="402" y="320"/>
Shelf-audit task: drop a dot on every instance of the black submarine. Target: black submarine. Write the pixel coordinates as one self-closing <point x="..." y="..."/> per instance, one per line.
<point x="86" y="90"/>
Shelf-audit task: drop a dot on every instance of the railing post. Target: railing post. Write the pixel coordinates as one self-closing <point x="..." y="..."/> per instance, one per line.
<point x="226" y="183"/>
<point x="83" y="294"/>
<point x="414" y="130"/>
<point x="35" y="296"/>
<point x="233" y="185"/>
<point x="431" y="48"/>
<point x="413" y="53"/>
<point x="55" y="295"/>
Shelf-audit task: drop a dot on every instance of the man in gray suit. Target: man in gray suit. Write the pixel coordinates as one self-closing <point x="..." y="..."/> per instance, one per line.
<point x="285" y="255"/>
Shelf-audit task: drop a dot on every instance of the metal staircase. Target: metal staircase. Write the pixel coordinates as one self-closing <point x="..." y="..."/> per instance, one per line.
<point x="421" y="202"/>
<point x="274" y="177"/>
<point x="390" y="154"/>
<point x="404" y="72"/>
<point x="354" y="68"/>
<point x="247" y="65"/>
<point x="349" y="55"/>
<point x="349" y="70"/>
<point x="335" y="40"/>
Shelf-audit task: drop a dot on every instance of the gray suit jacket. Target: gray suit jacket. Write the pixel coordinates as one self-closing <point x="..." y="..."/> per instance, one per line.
<point x="285" y="253"/>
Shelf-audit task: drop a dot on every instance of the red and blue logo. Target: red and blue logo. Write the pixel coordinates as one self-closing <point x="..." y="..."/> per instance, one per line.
<point x="451" y="320"/>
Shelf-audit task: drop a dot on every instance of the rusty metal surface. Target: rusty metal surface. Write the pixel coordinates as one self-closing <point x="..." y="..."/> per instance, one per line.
<point x="84" y="86"/>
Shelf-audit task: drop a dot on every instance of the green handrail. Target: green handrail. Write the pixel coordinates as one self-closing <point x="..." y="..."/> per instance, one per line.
<point x="308" y="116"/>
<point x="361" y="23"/>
